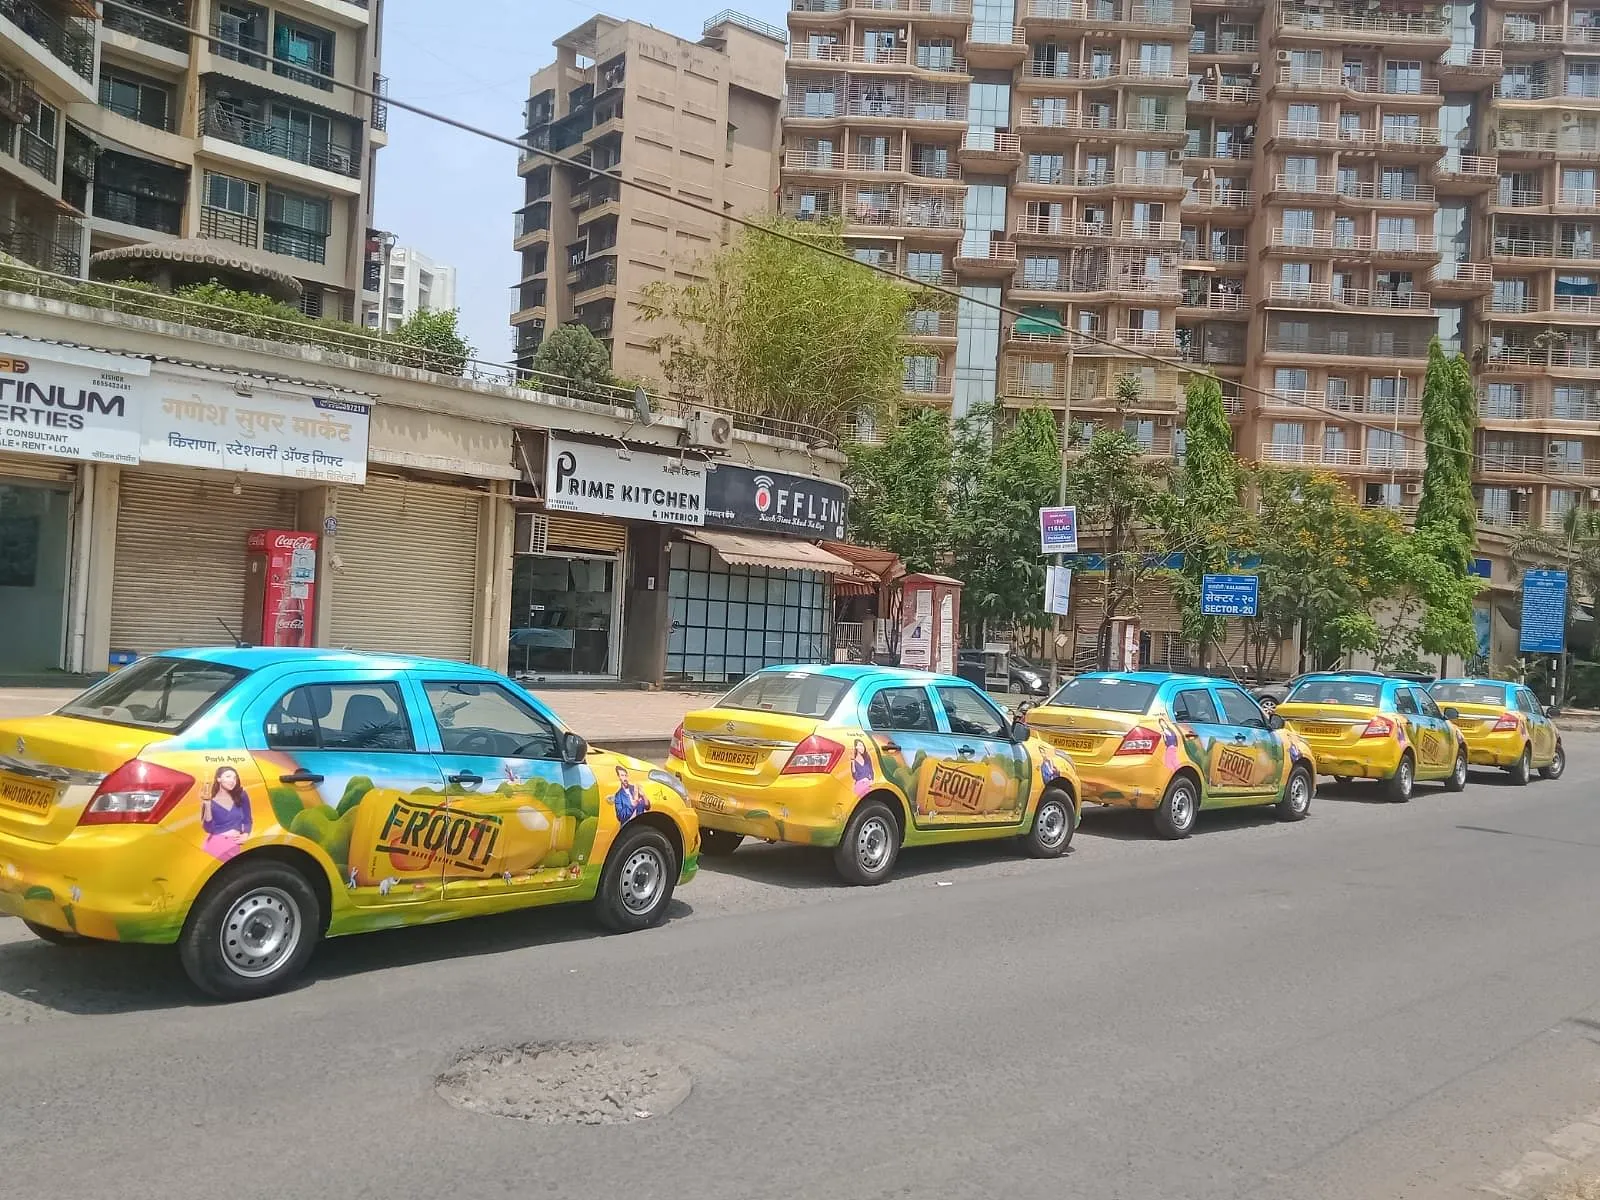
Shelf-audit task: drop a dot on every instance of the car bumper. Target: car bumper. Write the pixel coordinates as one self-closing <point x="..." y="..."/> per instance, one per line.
<point x="1134" y="784"/>
<point x="1377" y="761"/>
<point x="1494" y="749"/>
<point x="809" y="811"/>
<point x="116" y="882"/>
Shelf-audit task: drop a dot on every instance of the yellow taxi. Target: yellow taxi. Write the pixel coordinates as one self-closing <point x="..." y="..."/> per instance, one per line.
<point x="866" y="760"/>
<point x="1175" y="744"/>
<point x="1505" y="726"/>
<point x="1363" y="725"/>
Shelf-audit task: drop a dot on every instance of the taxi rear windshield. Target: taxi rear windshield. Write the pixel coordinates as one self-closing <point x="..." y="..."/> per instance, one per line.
<point x="164" y="694"/>
<point x="1468" y="693"/>
<point x="791" y="693"/>
<point x="1357" y="692"/>
<point x="1106" y="695"/>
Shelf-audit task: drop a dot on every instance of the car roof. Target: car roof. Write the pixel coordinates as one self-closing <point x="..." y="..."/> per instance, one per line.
<point x="1160" y="677"/>
<point x="865" y="673"/>
<point x="255" y="658"/>
<point x="1478" y="679"/>
<point x="1351" y="676"/>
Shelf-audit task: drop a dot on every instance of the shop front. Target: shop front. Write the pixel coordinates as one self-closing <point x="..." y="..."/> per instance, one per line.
<point x="36" y="538"/>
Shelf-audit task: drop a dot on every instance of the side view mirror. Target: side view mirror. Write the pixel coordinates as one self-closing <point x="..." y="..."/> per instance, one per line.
<point x="1274" y="721"/>
<point x="1020" y="732"/>
<point x="574" y="750"/>
<point x="1452" y="714"/>
<point x="1550" y="710"/>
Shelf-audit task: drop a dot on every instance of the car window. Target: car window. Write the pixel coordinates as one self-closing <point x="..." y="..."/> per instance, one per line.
<point x="794" y="693"/>
<point x="1195" y="706"/>
<point x="361" y="715"/>
<point x="1359" y="693"/>
<point x="166" y="694"/>
<point x="1530" y="702"/>
<point x="484" y="718"/>
<point x="1426" y="703"/>
<point x="1470" y="693"/>
<point x="970" y="715"/>
<point x="1239" y="709"/>
<point x="903" y="710"/>
<point x="1405" y="702"/>
<point x="1106" y="693"/>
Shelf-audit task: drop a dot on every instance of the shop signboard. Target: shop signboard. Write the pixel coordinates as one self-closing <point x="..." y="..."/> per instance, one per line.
<point x="66" y="402"/>
<point x="774" y="502"/>
<point x="205" y="423"/>
<point x="625" y="482"/>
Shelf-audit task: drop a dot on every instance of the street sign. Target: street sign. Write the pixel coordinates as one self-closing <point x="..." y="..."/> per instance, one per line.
<point x="1544" y="612"/>
<point x="1229" y="595"/>
<point x="1057" y="590"/>
<point x="1058" y="530"/>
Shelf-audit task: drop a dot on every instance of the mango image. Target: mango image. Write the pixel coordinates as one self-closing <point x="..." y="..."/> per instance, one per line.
<point x="527" y="838"/>
<point x="333" y="834"/>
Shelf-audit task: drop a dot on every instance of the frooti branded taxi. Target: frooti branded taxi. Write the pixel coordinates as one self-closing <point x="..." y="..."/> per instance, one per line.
<point x="1505" y="726"/>
<point x="1369" y="726"/>
<point x="1175" y="744"/>
<point x="867" y="760"/>
<point x="244" y="803"/>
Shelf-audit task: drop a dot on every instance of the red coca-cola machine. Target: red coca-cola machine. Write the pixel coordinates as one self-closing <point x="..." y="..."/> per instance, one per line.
<point x="280" y="596"/>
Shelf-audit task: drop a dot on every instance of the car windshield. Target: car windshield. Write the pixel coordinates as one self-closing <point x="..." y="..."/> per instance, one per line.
<point x="793" y="693"/>
<point x="1106" y="693"/>
<point x="1468" y="693"/>
<point x="1359" y="692"/>
<point x="167" y="694"/>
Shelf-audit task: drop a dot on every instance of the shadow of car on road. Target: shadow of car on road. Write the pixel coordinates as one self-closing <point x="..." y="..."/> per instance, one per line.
<point x="98" y="978"/>
<point x="810" y="868"/>
<point x="1137" y="824"/>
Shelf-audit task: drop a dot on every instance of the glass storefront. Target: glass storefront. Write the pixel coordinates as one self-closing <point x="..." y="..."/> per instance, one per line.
<point x="565" y="613"/>
<point x="728" y="621"/>
<point x="35" y="533"/>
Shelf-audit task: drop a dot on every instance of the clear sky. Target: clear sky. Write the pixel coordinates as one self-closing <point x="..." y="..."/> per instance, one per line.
<point x="451" y="194"/>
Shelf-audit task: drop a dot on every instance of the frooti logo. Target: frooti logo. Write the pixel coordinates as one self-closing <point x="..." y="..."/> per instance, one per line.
<point x="763" y="493"/>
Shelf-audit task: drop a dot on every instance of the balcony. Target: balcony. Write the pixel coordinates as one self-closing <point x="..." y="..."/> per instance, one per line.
<point x="1300" y="454"/>
<point x="1384" y="459"/>
<point x="1107" y="15"/>
<point x="1148" y="232"/>
<point x="1237" y="151"/>
<point x="899" y="59"/>
<point x="1517" y="358"/>
<point x="1215" y="302"/>
<point x="995" y="257"/>
<point x="1462" y="278"/>
<point x="937" y="386"/>
<point x="1211" y="94"/>
<point x="1461" y="171"/>
<point x="939" y="8"/>
<point x="1206" y="199"/>
<point x="1379" y="344"/>
<point x="1043" y="71"/>
<point x="121" y="19"/>
<point x="990" y="45"/>
<point x="39" y="249"/>
<point x="1585" y="198"/>
<point x="130" y="203"/>
<point x="1298" y="186"/>
<point x="380" y="103"/>
<point x="1043" y="227"/>
<point x="252" y="133"/>
<point x="303" y="244"/>
<point x="69" y="39"/>
<point x="1325" y="295"/>
<point x="1342" y="79"/>
<point x="1026" y="380"/>
<point x="1518" y="34"/>
<point x="1348" y="28"/>
<point x="989" y="150"/>
<point x="1388" y="193"/>
<point x="1203" y="43"/>
<point x="38" y="155"/>
<point x="1224" y="254"/>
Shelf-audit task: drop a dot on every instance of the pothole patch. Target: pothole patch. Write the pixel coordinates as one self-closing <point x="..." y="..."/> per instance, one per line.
<point x="566" y="1083"/>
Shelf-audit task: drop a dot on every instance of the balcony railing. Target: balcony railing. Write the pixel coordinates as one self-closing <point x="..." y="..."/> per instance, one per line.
<point x="1104" y="12"/>
<point x="1476" y="165"/>
<point x="71" y="39"/>
<point x="228" y="226"/>
<point x="944" y="8"/>
<point x="978" y="141"/>
<point x="39" y="250"/>
<point x="1502" y="518"/>
<point x="255" y="134"/>
<point x="1578" y="197"/>
<point x="1387" y="27"/>
<point x="1354" y="345"/>
<point x="937" y="384"/>
<point x="1218" y="197"/>
<point x="1306" y="185"/>
<point x="296" y="243"/>
<point x="1527" y="32"/>
<point x="1588" y="306"/>
<point x="380" y="105"/>
<point x="989" y="36"/>
<point x="1221" y="254"/>
<point x="1554" y="356"/>
<point x="121" y="19"/>
<point x="36" y="154"/>
<point x="1223" y="43"/>
<point x="1462" y="272"/>
<point x="1229" y="150"/>
<point x="1471" y="58"/>
<point x="1309" y="455"/>
<point x="1404" y="193"/>
<point x="131" y="206"/>
<point x="1151" y="231"/>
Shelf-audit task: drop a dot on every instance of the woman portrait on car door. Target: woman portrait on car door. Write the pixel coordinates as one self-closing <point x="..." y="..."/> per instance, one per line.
<point x="225" y="815"/>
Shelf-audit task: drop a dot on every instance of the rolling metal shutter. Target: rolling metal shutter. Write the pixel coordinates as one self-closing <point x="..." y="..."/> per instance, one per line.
<point x="407" y="579"/>
<point x="181" y="561"/>
<point x="586" y="533"/>
<point x="37" y="469"/>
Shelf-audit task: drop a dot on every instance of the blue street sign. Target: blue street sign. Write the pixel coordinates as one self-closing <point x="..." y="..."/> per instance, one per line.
<point x="1229" y="595"/>
<point x="1544" y="612"/>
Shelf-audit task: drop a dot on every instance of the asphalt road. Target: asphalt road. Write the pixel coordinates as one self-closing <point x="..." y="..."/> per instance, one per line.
<point x="1382" y="1001"/>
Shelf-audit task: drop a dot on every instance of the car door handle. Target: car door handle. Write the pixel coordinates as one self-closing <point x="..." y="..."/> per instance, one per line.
<point x="1241" y="738"/>
<point x="465" y="777"/>
<point x="888" y="746"/>
<point x="300" y="776"/>
<point x="965" y="751"/>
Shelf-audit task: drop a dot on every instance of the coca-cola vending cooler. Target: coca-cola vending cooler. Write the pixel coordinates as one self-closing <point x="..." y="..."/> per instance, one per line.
<point x="280" y="595"/>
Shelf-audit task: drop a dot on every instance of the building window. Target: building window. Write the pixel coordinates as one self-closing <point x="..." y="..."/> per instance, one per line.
<point x="297" y="225"/>
<point x="311" y="303"/>
<point x="147" y="101"/>
<point x="231" y="209"/>
<point x="302" y="53"/>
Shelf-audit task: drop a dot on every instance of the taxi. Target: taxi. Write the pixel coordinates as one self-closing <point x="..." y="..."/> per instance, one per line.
<point x="867" y="760"/>
<point x="1175" y="744"/>
<point x="1505" y="726"/>
<point x="1363" y="725"/>
<point x="243" y="803"/>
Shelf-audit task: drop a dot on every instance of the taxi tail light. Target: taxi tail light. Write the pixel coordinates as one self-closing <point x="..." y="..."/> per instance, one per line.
<point x="814" y="756"/>
<point x="1378" y="727"/>
<point x="1507" y="724"/>
<point x="1139" y="740"/>
<point x="676" y="749"/>
<point x="136" y="793"/>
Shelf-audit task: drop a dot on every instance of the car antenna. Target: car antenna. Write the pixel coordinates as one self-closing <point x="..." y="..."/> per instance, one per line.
<point x="238" y="642"/>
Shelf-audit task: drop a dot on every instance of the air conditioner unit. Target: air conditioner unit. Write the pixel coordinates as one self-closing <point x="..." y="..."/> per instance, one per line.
<point x="1555" y="447"/>
<point x="1567" y="118"/>
<point x="1594" y="493"/>
<point x="710" y="430"/>
<point x="1285" y="57"/>
<point x="531" y="533"/>
<point x="1413" y="489"/>
<point x="1174" y="156"/>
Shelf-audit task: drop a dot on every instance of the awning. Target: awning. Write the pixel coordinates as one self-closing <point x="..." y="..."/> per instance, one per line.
<point x="753" y="550"/>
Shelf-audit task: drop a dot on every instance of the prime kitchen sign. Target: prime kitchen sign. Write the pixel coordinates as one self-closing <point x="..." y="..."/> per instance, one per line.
<point x="64" y="402"/>
<point x="628" y="483"/>
<point x="774" y="502"/>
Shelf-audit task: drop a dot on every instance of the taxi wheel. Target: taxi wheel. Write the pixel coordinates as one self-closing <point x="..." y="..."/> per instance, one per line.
<point x="1458" y="778"/>
<point x="866" y="853"/>
<point x="636" y="885"/>
<point x="1343" y="779"/>
<point x="57" y="937"/>
<point x="1296" y="801"/>
<point x="1175" y="815"/>
<point x="1523" y="771"/>
<point x="1397" y="788"/>
<point x="1052" y="826"/>
<point x="252" y="930"/>
<point x="719" y="843"/>
<point x="1557" y="766"/>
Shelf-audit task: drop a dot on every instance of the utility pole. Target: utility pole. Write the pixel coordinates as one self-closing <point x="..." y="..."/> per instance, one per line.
<point x="1061" y="499"/>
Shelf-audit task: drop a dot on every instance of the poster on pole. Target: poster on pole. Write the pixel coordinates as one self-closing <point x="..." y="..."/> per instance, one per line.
<point x="1544" y="612"/>
<point x="1057" y="590"/>
<point x="1058" y="530"/>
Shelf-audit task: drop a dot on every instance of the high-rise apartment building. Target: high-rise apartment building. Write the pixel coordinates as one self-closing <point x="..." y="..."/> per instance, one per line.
<point x="413" y="282"/>
<point x="120" y="130"/>
<point x="697" y="119"/>
<point x="1297" y="195"/>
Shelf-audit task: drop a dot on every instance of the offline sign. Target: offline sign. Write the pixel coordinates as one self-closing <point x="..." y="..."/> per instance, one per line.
<point x="631" y="484"/>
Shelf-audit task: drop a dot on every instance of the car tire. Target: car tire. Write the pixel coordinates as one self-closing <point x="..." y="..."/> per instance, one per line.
<point x="719" y="843"/>
<point x="1180" y="806"/>
<point x="1014" y="687"/>
<point x="1343" y="780"/>
<point x="1523" y="771"/>
<point x="56" y="937"/>
<point x="1458" y="777"/>
<point x="637" y="881"/>
<point x="1053" y="824"/>
<point x="1558" y="765"/>
<point x="1295" y="804"/>
<point x="867" y="852"/>
<point x="1398" y="787"/>
<point x="253" y="930"/>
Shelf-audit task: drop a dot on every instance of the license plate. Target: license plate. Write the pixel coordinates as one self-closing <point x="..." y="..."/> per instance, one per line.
<point x="1312" y="729"/>
<point x="712" y="803"/>
<point x="725" y="756"/>
<point x="1074" y="743"/>
<point x="26" y="795"/>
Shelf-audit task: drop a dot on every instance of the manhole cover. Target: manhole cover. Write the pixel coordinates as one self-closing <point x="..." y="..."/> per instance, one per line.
<point x="566" y="1083"/>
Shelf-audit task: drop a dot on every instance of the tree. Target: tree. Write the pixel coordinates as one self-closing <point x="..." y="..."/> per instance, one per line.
<point x="436" y="332"/>
<point x="779" y="329"/>
<point x="900" y="498"/>
<point x="572" y="353"/>
<point x="1447" y="516"/>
